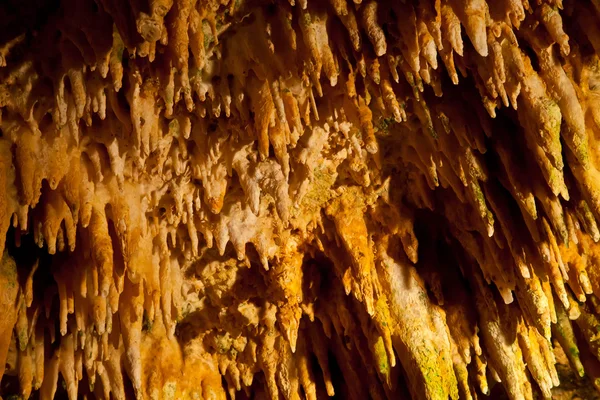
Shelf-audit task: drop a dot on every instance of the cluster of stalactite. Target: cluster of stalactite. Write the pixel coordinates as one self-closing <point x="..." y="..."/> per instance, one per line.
<point x="273" y="199"/>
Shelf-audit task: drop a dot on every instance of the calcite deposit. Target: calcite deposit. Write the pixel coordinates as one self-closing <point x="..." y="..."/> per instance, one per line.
<point x="211" y="199"/>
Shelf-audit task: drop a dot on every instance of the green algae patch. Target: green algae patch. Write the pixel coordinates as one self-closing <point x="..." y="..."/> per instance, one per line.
<point x="381" y="359"/>
<point x="318" y="194"/>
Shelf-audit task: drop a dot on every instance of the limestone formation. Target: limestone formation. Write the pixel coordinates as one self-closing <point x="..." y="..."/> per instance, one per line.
<point x="260" y="199"/>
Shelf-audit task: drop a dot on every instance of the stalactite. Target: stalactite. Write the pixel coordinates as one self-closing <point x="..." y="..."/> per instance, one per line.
<point x="298" y="198"/>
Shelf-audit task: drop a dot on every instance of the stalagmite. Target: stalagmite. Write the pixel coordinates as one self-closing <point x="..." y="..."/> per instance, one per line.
<point x="299" y="199"/>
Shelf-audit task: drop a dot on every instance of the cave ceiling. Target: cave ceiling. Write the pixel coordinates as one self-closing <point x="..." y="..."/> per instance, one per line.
<point x="299" y="199"/>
